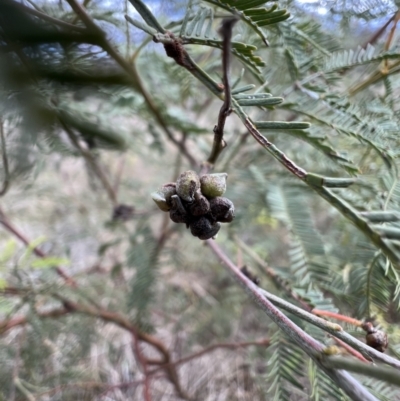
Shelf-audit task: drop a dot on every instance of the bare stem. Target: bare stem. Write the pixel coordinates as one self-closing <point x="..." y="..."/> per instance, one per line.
<point x="6" y="182"/>
<point x="91" y="160"/>
<point x="308" y="344"/>
<point x="219" y="144"/>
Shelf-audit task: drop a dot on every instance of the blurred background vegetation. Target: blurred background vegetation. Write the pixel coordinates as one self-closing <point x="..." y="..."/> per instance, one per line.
<point x="98" y="289"/>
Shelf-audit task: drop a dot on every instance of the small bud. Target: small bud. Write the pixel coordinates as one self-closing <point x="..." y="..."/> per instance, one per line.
<point x="187" y="184"/>
<point x="178" y="213"/>
<point x="200" y="206"/>
<point x="375" y="338"/>
<point x="203" y="228"/>
<point x="213" y="185"/>
<point x="162" y="197"/>
<point x="222" y="209"/>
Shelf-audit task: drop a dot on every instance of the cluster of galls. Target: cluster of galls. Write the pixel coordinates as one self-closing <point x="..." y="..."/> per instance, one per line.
<point x="197" y="202"/>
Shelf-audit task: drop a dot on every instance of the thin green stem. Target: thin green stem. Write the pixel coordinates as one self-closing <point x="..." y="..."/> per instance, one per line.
<point x="389" y="375"/>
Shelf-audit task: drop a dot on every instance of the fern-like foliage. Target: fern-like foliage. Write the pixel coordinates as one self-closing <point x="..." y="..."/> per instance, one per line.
<point x="143" y="257"/>
<point x="251" y="13"/>
<point x="307" y="250"/>
<point x="350" y="58"/>
<point x="321" y="386"/>
<point x="285" y="368"/>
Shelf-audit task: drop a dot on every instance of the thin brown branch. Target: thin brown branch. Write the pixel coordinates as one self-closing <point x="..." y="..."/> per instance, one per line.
<point x="133" y="74"/>
<point x="91" y="160"/>
<point x="123" y="322"/>
<point x="6" y="182"/>
<point x="106" y="316"/>
<point x="4" y="221"/>
<point x="308" y="344"/>
<point x="264" y="342"/>
<point x="385" y="68"/>
<point x="48" y="18"/>
<point x="8" y="324"/>
<point x="379" y="33"/>
<point x="143" y="362"/>
<point x="219" y="144"/>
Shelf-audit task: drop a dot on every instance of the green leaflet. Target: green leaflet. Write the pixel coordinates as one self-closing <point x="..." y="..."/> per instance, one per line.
<point x="255" y="17"/>
<point x="350" y="58"/>
<point x="285" y="368"/>
<point x="306" y="253"/>
<point x="244" y="88"/>
<point x="147" y="15"/>
<point x="197" y="30"/>
<point x="381" y="216"/>
<point x="322" y="387"/>
<point x="329" y="182"/>
<point x="138" y="24"/>
<point x="269" y="125"/>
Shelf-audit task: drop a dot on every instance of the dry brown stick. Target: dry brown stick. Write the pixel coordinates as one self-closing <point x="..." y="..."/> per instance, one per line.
<point x="4" y="221"/>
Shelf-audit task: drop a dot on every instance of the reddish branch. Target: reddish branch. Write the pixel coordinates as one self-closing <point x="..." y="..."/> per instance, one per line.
<point x="106" y="316"/>
<point x="109" y="387"/>
<point x="337" y="316"/>
<point x="351" y="350"/>
<point x="144" y="363"/>
<point x="264" y="342"/>
<point x="12" y="229"/>
<point x="8" y="324"/>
